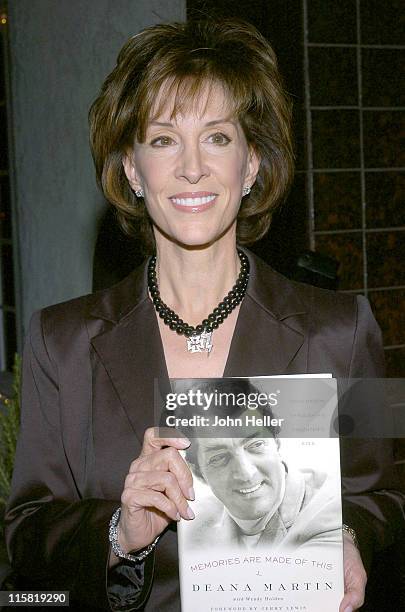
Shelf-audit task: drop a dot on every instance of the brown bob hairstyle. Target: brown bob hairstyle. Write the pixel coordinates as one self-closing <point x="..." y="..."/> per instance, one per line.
<point x="180" y="59"/>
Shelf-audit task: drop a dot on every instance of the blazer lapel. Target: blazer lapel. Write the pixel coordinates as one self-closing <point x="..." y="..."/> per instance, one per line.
<point x="130" y="352"/>
<point x="271" y="332"/>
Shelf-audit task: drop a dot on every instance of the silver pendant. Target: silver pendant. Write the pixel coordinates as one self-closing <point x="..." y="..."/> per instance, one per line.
<point x="200" y="343"/>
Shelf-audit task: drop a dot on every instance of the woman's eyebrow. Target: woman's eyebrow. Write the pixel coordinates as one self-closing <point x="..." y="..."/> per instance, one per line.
<point x="162" y="123"/>
<point x="208" y="124"/>
<point x="223" y="120"/>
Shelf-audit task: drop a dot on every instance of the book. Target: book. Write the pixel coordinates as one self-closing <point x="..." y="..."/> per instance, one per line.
<point x="267" y="533"/>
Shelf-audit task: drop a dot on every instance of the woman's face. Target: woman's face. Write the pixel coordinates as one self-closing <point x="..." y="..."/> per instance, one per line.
<point x="192" y="169"/>
<point x="246" y="475"/>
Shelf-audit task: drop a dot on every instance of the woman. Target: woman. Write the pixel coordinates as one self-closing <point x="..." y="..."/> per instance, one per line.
<point x="190" y="121"/>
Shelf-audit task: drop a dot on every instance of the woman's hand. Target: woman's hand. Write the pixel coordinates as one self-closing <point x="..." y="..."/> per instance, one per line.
<point x="355" y="576"/>
<point x="156" y="491"/>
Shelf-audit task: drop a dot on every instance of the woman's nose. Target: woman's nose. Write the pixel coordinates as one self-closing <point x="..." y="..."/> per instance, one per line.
<point x="192" y="165"/>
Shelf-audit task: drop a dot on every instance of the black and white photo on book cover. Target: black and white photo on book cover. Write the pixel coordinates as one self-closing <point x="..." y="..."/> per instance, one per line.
<point x="267" y="533"/>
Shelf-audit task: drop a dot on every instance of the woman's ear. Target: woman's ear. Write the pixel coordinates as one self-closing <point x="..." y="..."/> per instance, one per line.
<point x="253" y="166"/>
<point x="130" y="171"/>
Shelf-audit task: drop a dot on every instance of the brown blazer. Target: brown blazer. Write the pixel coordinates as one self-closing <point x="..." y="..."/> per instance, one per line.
<point x="88" y="389"/>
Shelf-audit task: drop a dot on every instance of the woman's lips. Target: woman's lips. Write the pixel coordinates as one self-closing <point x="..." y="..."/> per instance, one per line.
<point x="193" y="202"/>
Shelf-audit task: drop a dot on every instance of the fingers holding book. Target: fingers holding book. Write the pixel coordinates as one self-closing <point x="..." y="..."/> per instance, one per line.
<point x="156" y="491"/>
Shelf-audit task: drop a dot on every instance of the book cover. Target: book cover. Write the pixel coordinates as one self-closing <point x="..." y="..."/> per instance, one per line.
<point x="267" y="533"/>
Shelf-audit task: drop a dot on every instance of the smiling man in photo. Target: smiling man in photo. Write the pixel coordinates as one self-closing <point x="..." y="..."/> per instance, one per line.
<point x="257" y="500"/>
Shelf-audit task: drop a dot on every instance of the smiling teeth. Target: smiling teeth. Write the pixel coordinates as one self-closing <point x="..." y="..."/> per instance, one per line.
<point x="252" y="489"/>
<point x="193" y="201"/>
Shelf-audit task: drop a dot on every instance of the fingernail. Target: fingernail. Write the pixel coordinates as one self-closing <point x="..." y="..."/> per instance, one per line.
<point x="191" y="493"/>
<point x="190" y="513"/>
<point x="178" y="517"/>
<point x="349" y="609"/>
<point x="184" y="442"/>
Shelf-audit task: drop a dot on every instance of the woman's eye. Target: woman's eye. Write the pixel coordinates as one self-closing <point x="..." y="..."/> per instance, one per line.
<point x="162" y="141"/>
<point x="219" y="139"/>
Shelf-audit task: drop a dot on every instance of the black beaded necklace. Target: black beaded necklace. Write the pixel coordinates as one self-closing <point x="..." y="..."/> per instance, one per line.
<point x="199" y="337"/>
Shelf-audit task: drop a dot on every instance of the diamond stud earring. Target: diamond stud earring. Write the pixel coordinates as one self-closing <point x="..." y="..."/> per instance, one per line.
<point x="139" y="193"/>
<point x="246" y="190"/>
